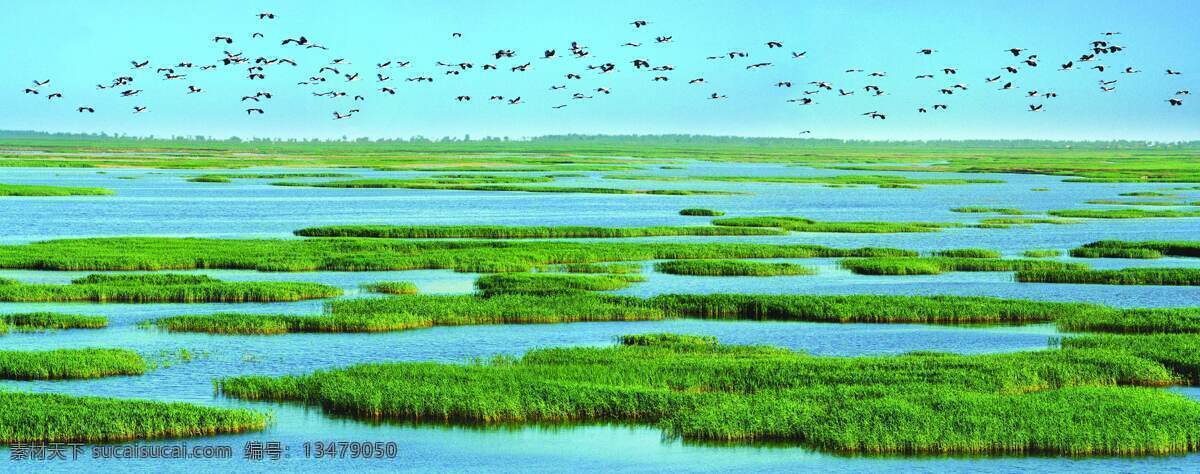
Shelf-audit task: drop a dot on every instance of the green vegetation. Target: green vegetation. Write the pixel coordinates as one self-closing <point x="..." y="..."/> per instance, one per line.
<point x="1008" y="211"/>
<point x="296" y="255"/>
<point x="730" y="268"/>
<point x="46" y="417"/>
<point x="492" y="184"/>
<point x="1123" y="213"/>
<point x="1068" y="401"/>
<point x="1124" y="276"/>
<point x="392" y="287"/>
<point x="157" y="288"/>
<point x="893" y="181"/>
<point x="36" y="190"/>
<point x="517" y="232"/>
<point x="967" y="253"/>
<point x="1009" y="221"/>
<point x="210" y="179"/>
<point x="1039" y="189"/>
<point x="614" y="268"/>
<point x="939" y="265"/>
<point x="1043" y="253"/>
<point x="545" y="284"/>
<point x="69" y="364"/>
<point x="700" y="212"/>
<point x="1144" y="249"/>
<point x="1178" y="352"/>
<point x="1133" y="202"/>
<point x="799" y="224"/>
<point x="43" y="321"/>
<point x="1147" y="194"/>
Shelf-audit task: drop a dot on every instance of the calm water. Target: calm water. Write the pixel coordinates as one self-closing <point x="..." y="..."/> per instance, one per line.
<point x="161" y="203"/>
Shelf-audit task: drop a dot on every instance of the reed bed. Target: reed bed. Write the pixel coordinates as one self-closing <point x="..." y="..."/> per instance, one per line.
<point x="1008" y="211"/>
<point x="1147" y="194"/>
<point x="43" y="320"/>
<point x="1123" y="213"/>
<point x="939" y="265"/>
<point x="730" y="268"/>
<point x="613" y="268"/>
<point x="1010" y="221"/>
<point x="852" y="179"/>
<point x="800" y="224"/>
<point x="54" y="418"/>
<point x="1063" y="402"/>
<point x="522" y="232"/>
<point x="1178" y="352"/>
<point x="967" y="253"/>
<point x="1131" y="320"/>
<point x="700" y="212"/>
<point x="1137" y="202"/>
<point x="297" y="255"/>
<point x="69" y="364"/>
<point x="209" y="179"/>
<point x="168" y="288"/>
<point x="392" y="287"/>
<point x="1124" y="276"/>
<point x="1044" y="253"/>
<point x="492" y="185"/>
<point x="37" y="190"/>
<point x="1143" y="249"/>
<point x="545" y="284"/>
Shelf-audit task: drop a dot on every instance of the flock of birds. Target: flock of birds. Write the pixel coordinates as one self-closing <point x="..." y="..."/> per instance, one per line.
<point x="338" y="71"/>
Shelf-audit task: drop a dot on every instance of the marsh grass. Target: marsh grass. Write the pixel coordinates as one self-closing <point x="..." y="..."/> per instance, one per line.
<point x="1068" y="402"/>
<point x="1047" y="253"/>
<point x="1135" y="249"/>
<point x="1124" y="276"/>
<point x="392" y="287"/>
<point x="613" y="268"/>
<point x="1008" y="211"/>
<point x="967" y="253"/>
<point x="336" y="254"/>
<point x="209" y="179"/>
<point x="69" y="364"/>
<point x="1132" y="202"/>
<point x="1010" y="221"/>
<point x="799" y="224"/>
<point x="43" y="321"/>
<point x="853" y="179"/>
<point x="493" y="184"/>
<point x="1123" y="213"/>
<point x="938" y="265"/>
<point x="547" y="284"/>
<point x="700" y="212"/>
<point x="46" y="417"/>
<point x="522" y="232"/>
<point x="170" y="288"/>
<point x="37" y="190"/>
<point x="730" y="268"/>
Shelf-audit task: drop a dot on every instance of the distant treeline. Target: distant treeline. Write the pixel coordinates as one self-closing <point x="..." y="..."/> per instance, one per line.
<point x="681" y="140"/>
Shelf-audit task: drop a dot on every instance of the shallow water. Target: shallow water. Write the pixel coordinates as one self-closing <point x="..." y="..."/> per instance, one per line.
<point x="162" y="203"/>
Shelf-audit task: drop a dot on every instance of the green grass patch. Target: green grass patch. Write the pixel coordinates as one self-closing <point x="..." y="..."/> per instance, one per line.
<point x="1133" y="202"/>
<point x="209" y="179"/>
<point x="699" y="212"/>
<point x="1142" y="249"/>
<point x="53" y="418"/>
<point x="1147" y="194"/>
<point x="1008" y="211"/>
<point x="1124" y="276"/>
<point x="1046" y="253"/>
<point x="1068" y="402"/>
<point x="893" y="181"/>
<point x="967" y="253"/>
<point x="545" y="284"/>
<point x="43" y="321"/>
<point x="297" y="255"/>
<point x="69" y="364"/>
<point x="1011" y="221"/>
<point x="165" y="288"/>
<point x="37" y="190"/>
<point x="939" y="265"/>
<point x="613" y="268"/>
<point x="730" y="268"/>
<point x="392" y="287"/>
<point x="1123" y="213"/>
<point x="492" y="184"/>
<point x="800" y="224"/>
<point x="522" y="232"/>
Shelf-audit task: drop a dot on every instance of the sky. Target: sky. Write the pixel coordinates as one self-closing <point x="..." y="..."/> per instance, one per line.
<point x="81" y="43"/>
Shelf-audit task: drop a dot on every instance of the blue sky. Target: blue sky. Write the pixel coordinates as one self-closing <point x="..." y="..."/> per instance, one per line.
<point x="78" y="44"/>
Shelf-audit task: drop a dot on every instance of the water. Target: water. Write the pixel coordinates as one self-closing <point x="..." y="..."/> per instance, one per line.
<point x="162" y="203"/>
